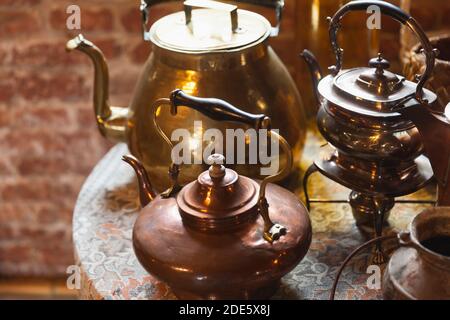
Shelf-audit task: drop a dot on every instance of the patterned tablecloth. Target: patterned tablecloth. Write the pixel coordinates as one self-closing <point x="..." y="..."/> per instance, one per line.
<point x="108" y="205"/>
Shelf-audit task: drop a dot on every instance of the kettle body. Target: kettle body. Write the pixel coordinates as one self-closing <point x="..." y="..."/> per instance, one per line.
<point x="223" y="235"/>
<point x="236" y="264"/>
<point x="236" y="65"/>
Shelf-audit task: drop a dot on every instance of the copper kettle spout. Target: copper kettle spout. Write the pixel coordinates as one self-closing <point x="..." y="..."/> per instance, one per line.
<point x="434" y="130"/>
<point x="111" y="120"/>
<point x="146" y="191"/>
<point x="314" y="70"/>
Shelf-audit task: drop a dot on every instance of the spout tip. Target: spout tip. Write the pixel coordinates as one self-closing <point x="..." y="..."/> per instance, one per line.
<point x="76" y="42"/>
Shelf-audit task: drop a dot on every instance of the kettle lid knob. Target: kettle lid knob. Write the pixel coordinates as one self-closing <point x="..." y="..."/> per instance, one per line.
<point x="217" y="169"/>
<point x="379" y="63"/>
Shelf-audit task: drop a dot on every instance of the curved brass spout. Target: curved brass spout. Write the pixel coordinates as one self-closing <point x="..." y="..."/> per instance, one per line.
<point x="314" y="70"/>
<point x="111" y="121"/>
<point x="146" y="191"/>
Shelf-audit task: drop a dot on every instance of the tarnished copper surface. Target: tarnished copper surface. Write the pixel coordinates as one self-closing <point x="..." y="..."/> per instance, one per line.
<point x="238" y="264"/>
<point x="418" y="272"/>
<point x="251" y="77"/>
<point x="222" y="236"/>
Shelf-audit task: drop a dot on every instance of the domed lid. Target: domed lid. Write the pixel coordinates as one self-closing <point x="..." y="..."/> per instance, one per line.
<point x="219" y="198"/>
<point x="218" y="27"/>
<point x="375" y="88"/>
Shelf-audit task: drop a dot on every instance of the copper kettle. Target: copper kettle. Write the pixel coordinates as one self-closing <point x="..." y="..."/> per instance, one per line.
<point x="208" y="49"/>
<point x="379" y="126"/>
<point x="224" y="235"/>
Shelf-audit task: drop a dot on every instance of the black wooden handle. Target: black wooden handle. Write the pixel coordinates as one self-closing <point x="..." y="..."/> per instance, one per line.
<point x="217" y="109"/>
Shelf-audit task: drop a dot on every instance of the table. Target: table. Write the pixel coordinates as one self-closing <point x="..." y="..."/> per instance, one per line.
<point x="108" y="205"/>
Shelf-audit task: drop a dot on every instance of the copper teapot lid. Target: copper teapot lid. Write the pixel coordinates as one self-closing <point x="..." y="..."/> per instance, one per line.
<point x="217" y="26"/>
<point x="375" y="85"/>
<point x="219" y="198"/>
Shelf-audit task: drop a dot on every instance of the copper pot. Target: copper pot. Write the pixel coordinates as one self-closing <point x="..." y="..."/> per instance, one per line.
<point x="222" y="236"/>
<point x="414" y="63"/>
<point x="382" y="130"/>
<point x="420" y="268"/>
<point x="216" y="51"/>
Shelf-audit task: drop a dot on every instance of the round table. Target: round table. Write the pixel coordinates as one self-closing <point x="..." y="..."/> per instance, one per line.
<point x="108" y="205"/>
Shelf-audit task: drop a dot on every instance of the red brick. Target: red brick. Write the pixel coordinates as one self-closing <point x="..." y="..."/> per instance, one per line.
<point x="46" y="53"/>
<point x="42" y="166"/>
<point x="63" y="85"/>
<point x="131" y="20"/>
<point x="16" y="254"/>
<point x="6" y="91"/>
<point x="41" y="116"/>
<point x="17" y="23"/>
<point x="19" y="3"/>
<point x="5" y="167"/>
<point x="5" y="116"/>
<point x="3" y="55"/>
<point x="38" y="190"/>
<point x="6" y="232"/>
<point x="51" y="213"/>
<point x="110" y="47"/>
<point x="140" y="52"/>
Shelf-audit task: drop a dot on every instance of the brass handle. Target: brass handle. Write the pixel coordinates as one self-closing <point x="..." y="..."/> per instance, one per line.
<point x="223" y="111"/>
<point x="209" y="4"/>
<point x="397" y="14"/>
<point x="277" y="5"/>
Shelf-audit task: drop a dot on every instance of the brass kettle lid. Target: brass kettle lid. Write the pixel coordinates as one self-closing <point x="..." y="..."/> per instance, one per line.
<point x="375" y="85"/>
<point x="215" y="27"/>
<point x="219" y="198"/>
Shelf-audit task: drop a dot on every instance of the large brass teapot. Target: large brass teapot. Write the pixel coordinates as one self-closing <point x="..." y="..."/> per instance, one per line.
<point x="223" y="235"/>
<point x="216" y="51"/>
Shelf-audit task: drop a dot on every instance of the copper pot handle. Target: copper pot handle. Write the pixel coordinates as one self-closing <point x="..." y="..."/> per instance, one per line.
<point x="277" y="5"/>
<point x="397" y="14"/>
<point x="220" y="110"/>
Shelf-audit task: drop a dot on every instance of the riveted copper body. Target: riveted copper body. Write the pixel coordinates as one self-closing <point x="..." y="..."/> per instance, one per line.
<point x="240" y="67"/>
<point x="222" y="236"/>
<point x="417" y="271"/>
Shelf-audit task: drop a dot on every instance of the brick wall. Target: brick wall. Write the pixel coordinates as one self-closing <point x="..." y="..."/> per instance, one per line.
<point x="48" y="139"/>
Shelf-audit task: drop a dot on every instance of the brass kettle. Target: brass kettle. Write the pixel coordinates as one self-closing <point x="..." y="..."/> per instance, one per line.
<point x="215" y="51"/>
<point x="382" y="130"/>
<point x="224" y="235"/>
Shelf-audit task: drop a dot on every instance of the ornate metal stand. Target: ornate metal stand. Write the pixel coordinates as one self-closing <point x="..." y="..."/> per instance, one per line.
<point x="368" y="209"/>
